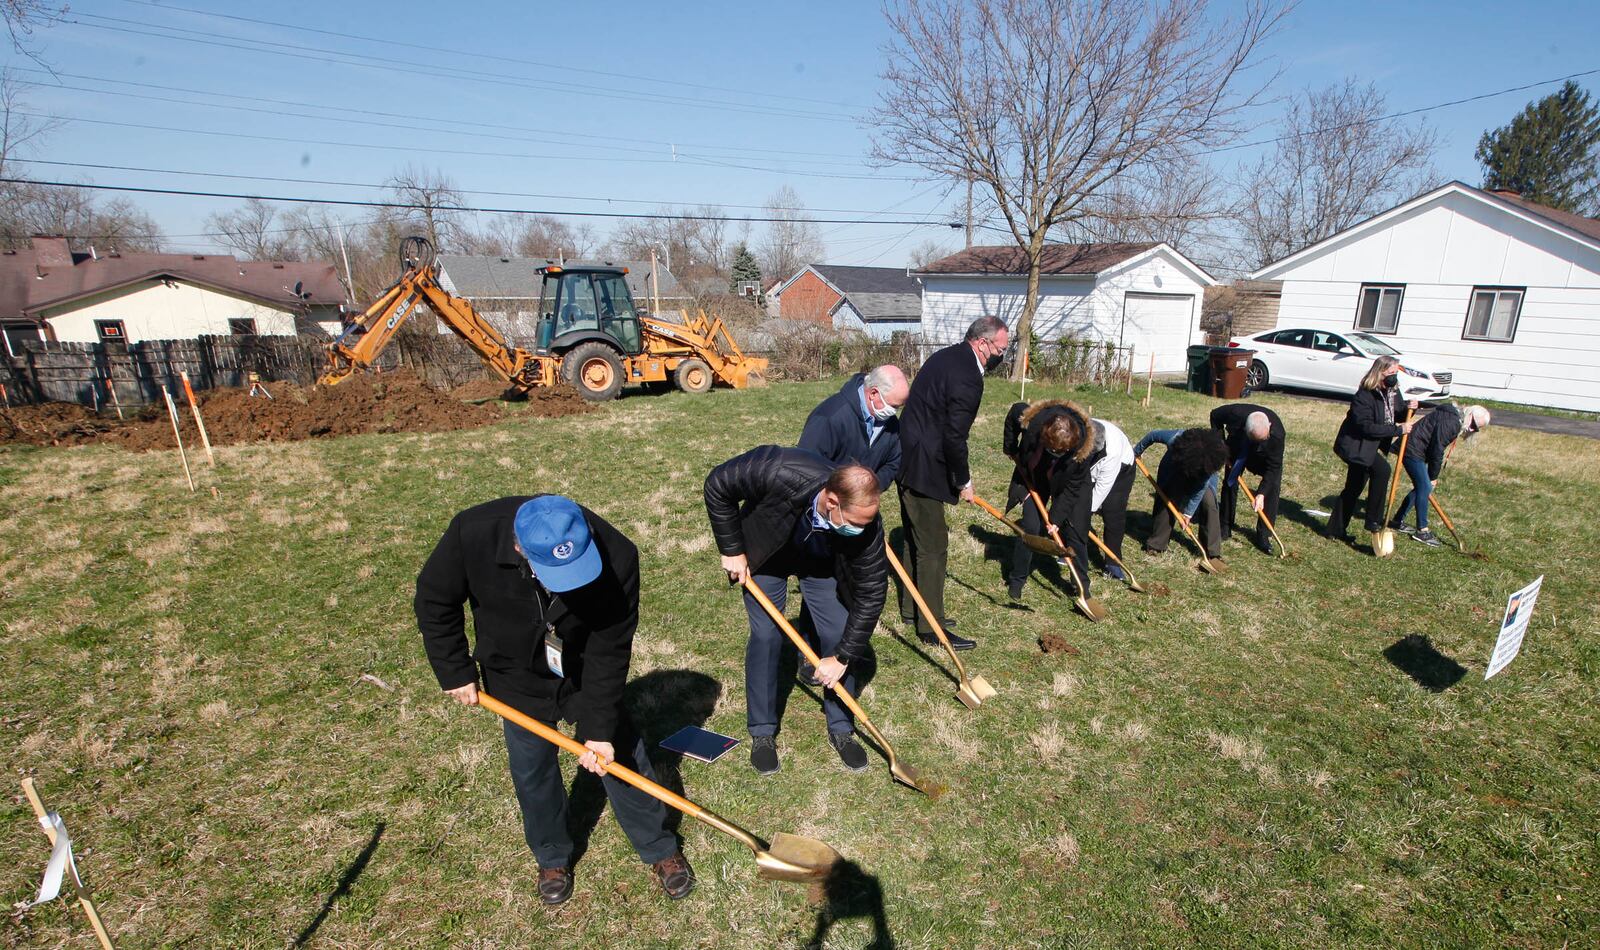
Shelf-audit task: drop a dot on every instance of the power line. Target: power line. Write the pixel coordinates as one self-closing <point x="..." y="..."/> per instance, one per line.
<point x="302" y="53"/>
<point x="466" y="191"/>
<point x="301" y="28"/>
<point x="411" y="206"/>
<point x="688" y="160"/>
<point x="412" y="115"/>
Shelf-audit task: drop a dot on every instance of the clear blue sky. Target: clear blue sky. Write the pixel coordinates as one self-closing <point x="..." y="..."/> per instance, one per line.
<point x="776" y="88"/>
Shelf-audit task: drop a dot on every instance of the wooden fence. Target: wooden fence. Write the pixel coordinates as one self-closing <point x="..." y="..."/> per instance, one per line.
<point x="82" y="372"/>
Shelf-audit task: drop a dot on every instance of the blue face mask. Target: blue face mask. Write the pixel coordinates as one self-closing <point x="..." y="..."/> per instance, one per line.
<point x="845" y="529"/>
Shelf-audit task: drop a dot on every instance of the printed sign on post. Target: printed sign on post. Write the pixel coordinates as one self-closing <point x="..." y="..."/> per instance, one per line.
<point x="1519" y="608"/>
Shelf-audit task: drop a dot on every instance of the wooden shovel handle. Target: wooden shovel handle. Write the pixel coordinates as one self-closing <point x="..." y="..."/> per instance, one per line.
<point x="1251" y="498"/>
<point x="1176" y="514"/>
<point x="1399" y="463"/>
<point x="991" y="509"/>
<point x="806" y="651"/>
<point x="922" y="605"/>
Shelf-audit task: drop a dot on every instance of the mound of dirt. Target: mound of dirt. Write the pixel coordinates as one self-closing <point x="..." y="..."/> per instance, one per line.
<point x="561" y="400"/>
<point x="1053" y="644"/>
<point x="393" y="402"/>
<point x="479" y="389"/>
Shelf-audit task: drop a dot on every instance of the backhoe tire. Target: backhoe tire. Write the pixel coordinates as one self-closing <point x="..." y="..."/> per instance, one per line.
<point x="693" y="375"/>
<point x="594" y="370"/>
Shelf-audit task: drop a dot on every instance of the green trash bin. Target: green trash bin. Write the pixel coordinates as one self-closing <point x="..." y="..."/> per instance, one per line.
<point x="1200" y="369"/>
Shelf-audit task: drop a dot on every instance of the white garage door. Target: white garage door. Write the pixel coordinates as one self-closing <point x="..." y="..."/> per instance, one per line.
<point x="1161" y="324"/>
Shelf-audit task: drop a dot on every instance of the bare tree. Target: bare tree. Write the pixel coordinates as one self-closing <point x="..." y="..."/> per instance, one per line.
<point x="926" y="253"/>
<point x="1044" y="103"/>
<point x="1175" y="204"/>
<point x="1335" y="164"/>
<point x="256" y="232"/>
<point x="793" y="240"/>
<point x="22" y="16"/>
<point x="435" y="205"/>
<point x="531" y="235"/>
<point x="691" y="242"/>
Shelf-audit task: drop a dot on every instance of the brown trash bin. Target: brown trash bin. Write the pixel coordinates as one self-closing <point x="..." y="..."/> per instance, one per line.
<point x="1230" y="367"/>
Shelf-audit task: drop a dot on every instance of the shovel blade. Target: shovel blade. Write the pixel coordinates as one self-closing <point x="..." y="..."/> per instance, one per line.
<point x="1205" y="565"/>
<point x="914" y="778"/>
<point x="794" y="858"/>
<point x="1383" y="543"/>
<point x="1092" y="608"/>
<point x="981" y="687"/>
<point x="969" y="697"/>
<point x="1043" y="545"/>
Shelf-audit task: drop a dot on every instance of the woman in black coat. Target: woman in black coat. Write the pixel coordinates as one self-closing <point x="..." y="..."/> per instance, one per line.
<point x="1366" y="435"/>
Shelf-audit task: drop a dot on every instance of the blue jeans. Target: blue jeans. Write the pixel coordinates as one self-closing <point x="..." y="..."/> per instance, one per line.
<point x="536" y="776"/>
<point x="761" y="655"/>
<point x="1421" y="491"/>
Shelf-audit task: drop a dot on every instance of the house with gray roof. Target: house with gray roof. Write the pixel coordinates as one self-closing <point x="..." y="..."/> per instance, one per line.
<point x="505" y="290"/>
<point x="878" y="301"/>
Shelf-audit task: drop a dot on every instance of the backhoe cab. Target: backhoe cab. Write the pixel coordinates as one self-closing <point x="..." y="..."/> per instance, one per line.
<point x="588" y="334"/>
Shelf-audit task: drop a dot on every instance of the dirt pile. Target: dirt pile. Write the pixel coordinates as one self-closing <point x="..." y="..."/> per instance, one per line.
<point x="393" y="402"/>
<point x="561" y="400"/>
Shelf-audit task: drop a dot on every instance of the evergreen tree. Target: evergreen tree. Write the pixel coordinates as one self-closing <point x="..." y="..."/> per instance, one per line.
<point x="1549" y="152"/>
<point x="745" y="268"/>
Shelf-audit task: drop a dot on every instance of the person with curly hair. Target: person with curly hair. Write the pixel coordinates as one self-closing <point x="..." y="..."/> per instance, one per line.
<point x="1188" y="476"/>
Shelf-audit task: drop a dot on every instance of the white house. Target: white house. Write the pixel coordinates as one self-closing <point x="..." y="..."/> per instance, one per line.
<point x="1502" y="291"/>
<point x="50" y="292"/>
<point x="1146" y="296"/>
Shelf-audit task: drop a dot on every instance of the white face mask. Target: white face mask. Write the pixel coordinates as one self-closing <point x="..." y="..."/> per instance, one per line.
<point x="884" y="412"/>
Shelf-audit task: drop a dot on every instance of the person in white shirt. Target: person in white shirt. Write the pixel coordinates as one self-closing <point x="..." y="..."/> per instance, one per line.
<point x="1112" y="476"/>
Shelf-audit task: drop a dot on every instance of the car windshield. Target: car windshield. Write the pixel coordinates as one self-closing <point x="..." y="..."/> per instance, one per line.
<point x="1374" y="346"/>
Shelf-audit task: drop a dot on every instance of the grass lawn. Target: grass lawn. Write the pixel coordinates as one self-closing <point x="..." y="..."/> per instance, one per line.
<point x="1256" y="760"/>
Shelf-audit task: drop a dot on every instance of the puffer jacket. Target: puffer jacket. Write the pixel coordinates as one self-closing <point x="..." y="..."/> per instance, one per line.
<point x="1369" y="428"/>
<point x="755" y="502"/>
<point x="1432" y="434"/>
<point x="1067" y="482"/>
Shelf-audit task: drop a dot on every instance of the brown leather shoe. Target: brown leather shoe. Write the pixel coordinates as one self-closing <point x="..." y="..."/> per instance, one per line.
<point x="674" y="875"/>
<point x="555" y="885"/>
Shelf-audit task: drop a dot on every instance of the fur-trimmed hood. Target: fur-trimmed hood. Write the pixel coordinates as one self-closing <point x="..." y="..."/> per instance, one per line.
<point x="1092" y="439"/>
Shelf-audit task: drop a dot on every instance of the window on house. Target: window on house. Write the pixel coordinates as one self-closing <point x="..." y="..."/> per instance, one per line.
<point x="1493" y="313"/>
<point x="111" y="331"/>
<point x="242" y="326"/>
<point x="18" y="333"/>
<point x="1379" y="310"/>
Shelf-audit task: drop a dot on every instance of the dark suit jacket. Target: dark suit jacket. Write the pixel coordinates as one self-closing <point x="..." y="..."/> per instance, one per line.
<point x="935" y="422"/>
<point x="836" y="431"/>
<point x="1367" y="429"/>
<point x="755" y="502"/>
<point x="476" y="563"/>
<point x="1262" y="458"/>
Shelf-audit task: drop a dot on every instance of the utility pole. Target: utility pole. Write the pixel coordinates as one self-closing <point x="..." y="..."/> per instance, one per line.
<point x="969" y="210"/>
<point x="349" y="281"/>
<point x="655" y="283"/>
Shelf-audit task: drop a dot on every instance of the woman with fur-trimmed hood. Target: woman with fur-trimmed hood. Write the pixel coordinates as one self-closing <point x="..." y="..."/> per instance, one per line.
<point x="1054" y="444"/>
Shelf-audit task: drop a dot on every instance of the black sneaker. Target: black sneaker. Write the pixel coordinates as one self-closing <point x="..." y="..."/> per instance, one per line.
<point x="1426" y="537"/>
<point x="764" y="754"/>
<point x="850" y="752"/>
<point x="674" y="875"/>
<point x="1402" y="527"/>
<point x="956" y="642"/>
<point x="555" y="885"/>
<point x="1264" y="545"/>
<point x="1014" y="589"/>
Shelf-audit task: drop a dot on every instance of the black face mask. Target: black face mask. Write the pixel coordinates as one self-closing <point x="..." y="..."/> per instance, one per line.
<point x="1390" y="382"/>
<point x="992" y="363"/>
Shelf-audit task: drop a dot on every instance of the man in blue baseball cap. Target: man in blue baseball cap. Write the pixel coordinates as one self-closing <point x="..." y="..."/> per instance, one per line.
<point x="554" y="591"/>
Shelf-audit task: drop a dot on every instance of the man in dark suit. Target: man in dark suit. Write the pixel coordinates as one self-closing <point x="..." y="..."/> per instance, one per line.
<point x="1255" y="437"/>
<point x="933" y="460"/>
<point x="860" y="423"/>
<point x="554" y="591"/>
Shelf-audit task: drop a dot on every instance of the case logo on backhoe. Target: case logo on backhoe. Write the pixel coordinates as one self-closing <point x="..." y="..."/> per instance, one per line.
<point x="398" y="316"/>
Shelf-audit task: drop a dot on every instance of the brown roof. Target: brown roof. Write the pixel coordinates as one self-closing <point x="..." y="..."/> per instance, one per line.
<point x="31" y="280"/>
<point x="1058" y="260"/>
<point x="1588" y="227"/>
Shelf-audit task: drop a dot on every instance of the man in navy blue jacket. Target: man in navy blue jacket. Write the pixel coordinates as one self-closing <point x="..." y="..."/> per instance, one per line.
<point x="860" y="423"/>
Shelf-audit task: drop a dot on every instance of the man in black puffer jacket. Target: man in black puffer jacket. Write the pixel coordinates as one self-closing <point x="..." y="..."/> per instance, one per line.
<point x="778" y="513"/>
<point x="1054" y="445"/>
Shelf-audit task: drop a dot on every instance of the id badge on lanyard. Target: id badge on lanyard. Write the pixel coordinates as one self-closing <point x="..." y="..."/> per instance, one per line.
<point x="552" y="651"/>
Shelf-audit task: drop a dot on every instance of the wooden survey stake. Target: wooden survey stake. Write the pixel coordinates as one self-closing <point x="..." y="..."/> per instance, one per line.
<point x="84" y="900"/>
<point x="172" y="413"/>
<point x="194" y="406"/>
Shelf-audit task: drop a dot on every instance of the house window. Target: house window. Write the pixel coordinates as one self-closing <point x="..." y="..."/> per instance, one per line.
<point x="111" y="331"/>
<point x="242" y="326"/>
<point x="18" y="333"/>
<point x="1379" y="310"/>
<point x="1493" y="314"/>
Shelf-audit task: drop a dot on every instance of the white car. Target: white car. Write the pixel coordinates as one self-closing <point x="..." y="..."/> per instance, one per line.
<point x="1334" y="362"/>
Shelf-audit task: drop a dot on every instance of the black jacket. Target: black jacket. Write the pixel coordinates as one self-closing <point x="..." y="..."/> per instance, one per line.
<point x="836" y="431"/>
<point x="476" y="563"/>
<point x="1432" y="434"/>
<point x="1262" y="458"/>
<point x="935" y="422"/>
<point x="1066" y="483"/>
<point x="755" y="502"/>
<point x="1367" y="429"/>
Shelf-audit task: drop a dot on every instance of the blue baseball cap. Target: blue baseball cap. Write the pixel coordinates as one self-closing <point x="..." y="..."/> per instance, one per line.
<point x="555" y="539"/>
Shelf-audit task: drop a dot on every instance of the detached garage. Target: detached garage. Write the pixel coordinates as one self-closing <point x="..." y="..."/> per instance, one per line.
<point x="1146" y="296"/>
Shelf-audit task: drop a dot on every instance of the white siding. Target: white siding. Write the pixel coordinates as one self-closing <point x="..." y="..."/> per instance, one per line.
<point x="156" y="311"/>
<point x="1440" y="251"/>
<point x="1081" y="308"/>
<point x="846" y="317"/>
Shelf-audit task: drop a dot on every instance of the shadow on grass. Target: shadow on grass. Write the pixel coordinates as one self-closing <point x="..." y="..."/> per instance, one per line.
<point x="658" y="703"/>
<point x="1416" y="657"/>
<point x="848" y="893"/>
<point x="346" y="880"/>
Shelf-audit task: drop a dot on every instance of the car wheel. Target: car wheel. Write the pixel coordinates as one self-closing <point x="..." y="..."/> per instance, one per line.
<point x="1256" y="377"/>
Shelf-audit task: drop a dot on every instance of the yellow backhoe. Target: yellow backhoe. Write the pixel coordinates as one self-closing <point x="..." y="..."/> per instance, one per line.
<point x="588" y="334"/>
